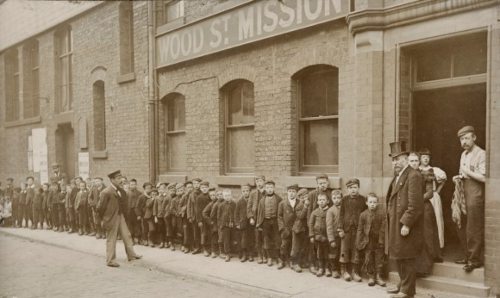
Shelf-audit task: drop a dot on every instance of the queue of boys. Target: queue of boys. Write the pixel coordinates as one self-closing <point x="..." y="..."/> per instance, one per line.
<point x="331" y="233"/>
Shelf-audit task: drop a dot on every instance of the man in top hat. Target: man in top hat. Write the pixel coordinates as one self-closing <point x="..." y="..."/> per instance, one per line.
<point x="404" y="232"/>
<point x="56" y="172"/>
<point x="473" y="175"/>
<point x="112" y="209"/>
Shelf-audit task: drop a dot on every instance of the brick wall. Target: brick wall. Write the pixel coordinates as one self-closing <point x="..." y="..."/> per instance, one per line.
<point x="269" y="65"/>
<point x="95" y="57"/>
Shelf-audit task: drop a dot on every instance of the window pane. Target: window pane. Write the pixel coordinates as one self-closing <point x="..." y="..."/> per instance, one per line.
<point x="176" y="149"/>
<point x="319" y="94"/>
<point x="176" y="113"/>
<point x="321" y="142"/>
<point x="241" y="149"/>
<point x="470" y="58"/>
<point x="64" y="83"/>
<point x="434" y="64"/>
<point x="34" y="93"/>
<point x="241" y="104"/>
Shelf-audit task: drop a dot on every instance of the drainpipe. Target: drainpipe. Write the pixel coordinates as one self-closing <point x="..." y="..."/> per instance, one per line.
<point x="153" y="140"/>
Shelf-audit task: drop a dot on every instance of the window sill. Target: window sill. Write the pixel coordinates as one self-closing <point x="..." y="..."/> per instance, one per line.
<point x="234" y="180"/>
<point x="22" y="122"/>
<point x="310" y="181"/>
<point x="172" y="178"/>
<point x="170" y="26"/>
<point x="102" y="154"/>
<point x="124" y="78"/>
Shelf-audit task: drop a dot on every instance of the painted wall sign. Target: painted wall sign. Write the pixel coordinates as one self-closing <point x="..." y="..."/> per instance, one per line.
<point x="40" y="153"/>
<point x="250" y="22"/>
<point x="83" y="165"/>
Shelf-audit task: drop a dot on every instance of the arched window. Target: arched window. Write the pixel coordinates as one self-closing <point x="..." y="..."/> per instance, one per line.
<point x="239" y="126"/>
<point x="99" y="102"/>
<point x="318" y="98"/>
<point x="174" y="128"/>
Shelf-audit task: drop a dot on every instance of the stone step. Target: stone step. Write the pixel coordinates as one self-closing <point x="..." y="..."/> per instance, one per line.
<point x="450" y="285"/>
<point x="452" y="270"/>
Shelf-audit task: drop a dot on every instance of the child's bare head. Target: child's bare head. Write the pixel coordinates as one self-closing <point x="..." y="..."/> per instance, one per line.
<point x="245" y="190"/>
<point x="372" y="201"/>
<point x="322" y="200"/>
<point x="227" y="194"/>
<point x="336" y="197"/>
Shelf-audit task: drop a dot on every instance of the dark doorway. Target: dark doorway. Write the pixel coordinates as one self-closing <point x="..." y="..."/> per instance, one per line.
<point x="65" y="149"/>
<point x="438" y="115"/>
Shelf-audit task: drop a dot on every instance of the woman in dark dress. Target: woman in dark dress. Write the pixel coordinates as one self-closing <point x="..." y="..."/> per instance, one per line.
<point x="431" y="251"/>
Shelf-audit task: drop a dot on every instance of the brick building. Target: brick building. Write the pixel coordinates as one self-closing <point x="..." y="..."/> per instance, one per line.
<point x="286" y="88"/>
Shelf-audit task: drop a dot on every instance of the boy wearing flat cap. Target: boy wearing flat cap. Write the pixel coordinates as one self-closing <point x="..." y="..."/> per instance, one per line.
<point x="211" y="239"/>
<point x="240" y="222"/>
<point x="267" y="221"/>
<point x="286" y="220"/>
<point x="350" y="209"/>
<point x="187" y="227"/>
<point x="323" y="187"/>
<point x="253" y="203"/>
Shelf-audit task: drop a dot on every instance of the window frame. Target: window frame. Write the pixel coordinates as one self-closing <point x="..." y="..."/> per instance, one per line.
<point x="304" y="169"/>
<point x="126" y="14"/>
<point x="12" y="90"/>
<point x="168" y="133"/>
<point x="164" y="8"/>
<point x="95" y="85"/>
<point x="232" y="127"/>
<point x="64" y="34"/>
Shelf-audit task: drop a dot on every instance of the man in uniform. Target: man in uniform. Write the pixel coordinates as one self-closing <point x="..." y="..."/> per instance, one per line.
<point x="473" y="175"/>
<point x="112" y="208"/>
<point x="404" y="234"/>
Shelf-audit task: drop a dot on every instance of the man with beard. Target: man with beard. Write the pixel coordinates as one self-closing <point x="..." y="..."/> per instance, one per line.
<point x="472" y="173"/>
<point x="404" y="232"/>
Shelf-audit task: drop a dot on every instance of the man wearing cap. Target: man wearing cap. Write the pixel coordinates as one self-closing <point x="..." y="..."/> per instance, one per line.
<point x="473" y="175"/>
<point x="56" y="173"/>
<point x="404" y="232"/>
<point x="112" y="207"/>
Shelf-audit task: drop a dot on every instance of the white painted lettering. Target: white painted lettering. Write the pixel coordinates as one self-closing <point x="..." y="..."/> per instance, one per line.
<point x="313" y="15"/>
<point x="271" y="15"/>
<point x="187" y="43"/>
<point x="287" y="22"/>
<point x="245" y="24"/>
<point x="336" y="6"/>
<point x="175" y="46"/>
<point x="198" y="40"/>
<point x="216" y="33"/>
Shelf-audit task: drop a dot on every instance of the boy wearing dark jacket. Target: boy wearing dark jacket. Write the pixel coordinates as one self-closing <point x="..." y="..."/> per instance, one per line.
<point x="332" y="224"/>
<point x="370" y="240"/>
<point x="286" y="220"/>
<point x="317" y="233"/>
<point x="225" y="222"/>
<point x="267" y="221"/>
<point x="240" y="223"/>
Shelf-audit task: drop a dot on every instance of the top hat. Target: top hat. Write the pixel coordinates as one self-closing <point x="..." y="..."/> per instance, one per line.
<point x="398" y="148"/>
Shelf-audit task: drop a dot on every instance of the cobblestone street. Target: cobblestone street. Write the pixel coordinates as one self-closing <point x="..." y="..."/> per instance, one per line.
<point x="32" y="269"/>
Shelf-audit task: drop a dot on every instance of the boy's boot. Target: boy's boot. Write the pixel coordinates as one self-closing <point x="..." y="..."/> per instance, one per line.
<point x="296" y="267"/>
<point x="321" y="270"/>
<point x="345" y="274"/>
<point x="269" y="258"/>
<point x="260" y="259"/>
<point x="244" y="258"/>
<point x="162" y="245"/>
<point x="371" y="280"/>
<point x="328" y="270"/>
<point x="281" y="264"/>
<point x="221" y="251"/>
<point x="378" y="280"/>
<point x="356" y="276"/>
<point x="228" y="258"/>
<point x="335" y="267"/>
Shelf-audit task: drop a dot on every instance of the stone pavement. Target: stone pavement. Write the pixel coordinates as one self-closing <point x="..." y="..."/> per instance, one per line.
<point x="250" y="278"/>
